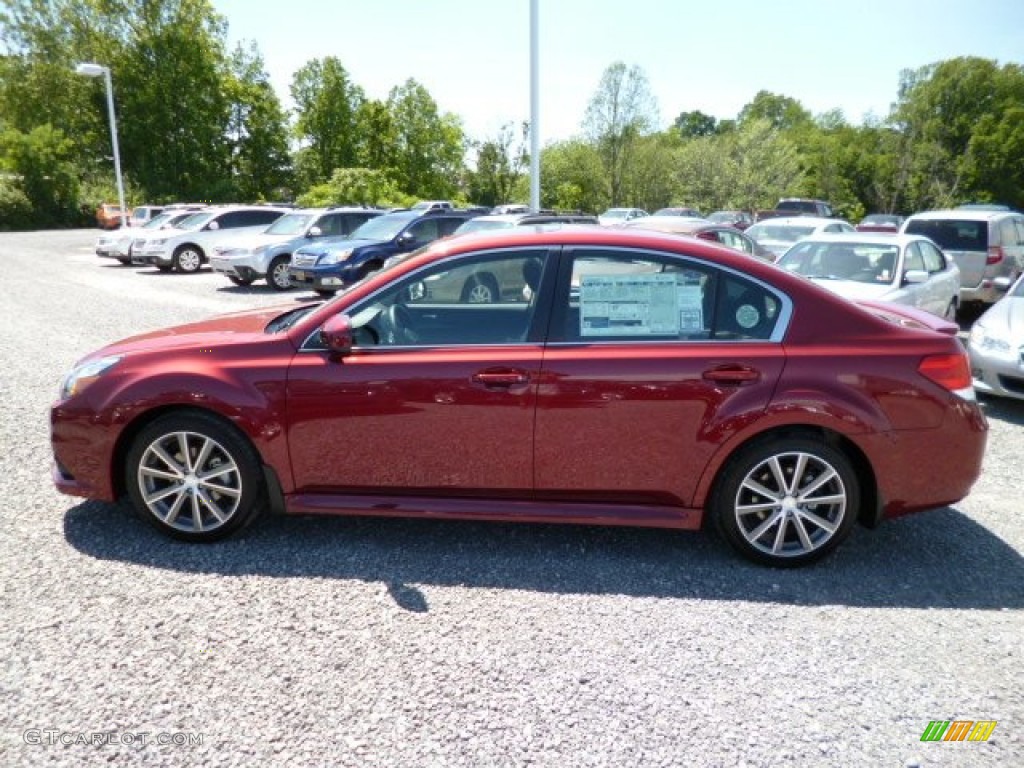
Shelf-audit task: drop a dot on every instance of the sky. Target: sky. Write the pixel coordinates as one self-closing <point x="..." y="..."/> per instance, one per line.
<point x="474" y="55"/>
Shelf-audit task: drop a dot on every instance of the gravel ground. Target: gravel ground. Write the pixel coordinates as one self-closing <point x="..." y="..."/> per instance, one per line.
<point x="365" y="642"/>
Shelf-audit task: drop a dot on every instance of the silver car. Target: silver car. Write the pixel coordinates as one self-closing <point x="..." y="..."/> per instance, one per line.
<point x="903" y="269"/>
<point x="996" y="346"/>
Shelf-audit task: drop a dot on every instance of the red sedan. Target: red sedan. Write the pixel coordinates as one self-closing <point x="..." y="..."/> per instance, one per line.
<point x="622" y="377"/>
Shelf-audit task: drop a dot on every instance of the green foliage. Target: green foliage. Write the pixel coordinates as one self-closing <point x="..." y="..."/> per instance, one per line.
<point x="428" y="146"/>
<point x="15" y="208"/>
<point x="328" y="105"/>
<point x="781" y="112"/>
<point x="41" y="162"/>
<point x="500" y="163"/>
<point x="572" y="177"/>
<point x="621" y="111"/>
<point x="356" y="186"/>
<point x="693" y="125"/>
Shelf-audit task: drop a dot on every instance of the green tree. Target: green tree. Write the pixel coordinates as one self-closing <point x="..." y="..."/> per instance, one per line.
<point x="378" y="137"/>
<point x="781" y="112"/>
<point x="41" y="161"/>
<point x="621" y="111"/>
<point x="261" y="165"/>
<point x="356" y="186"/>
<point x="693" y="125"/>
<point x="429" y="146"/>
<point x="327" y="105"/>
<point x="500" y="163"/>
<point x="572" y="177"/>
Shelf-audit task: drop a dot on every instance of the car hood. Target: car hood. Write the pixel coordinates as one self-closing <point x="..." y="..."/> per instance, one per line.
<point x="1006" y="314"/>
<point x="234" y="327"/>
<point x="852" y="289"/>
<point x="255" y="241"/>
<point x="339" y="245"/>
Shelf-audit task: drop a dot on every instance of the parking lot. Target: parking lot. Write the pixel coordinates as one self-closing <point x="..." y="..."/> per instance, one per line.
<point x="380" y="642"/>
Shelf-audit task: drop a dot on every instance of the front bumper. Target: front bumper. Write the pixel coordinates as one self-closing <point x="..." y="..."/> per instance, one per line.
<point x="244" y="267"/>
<point x="318" y="278"/>
<point x="998" y="375"/>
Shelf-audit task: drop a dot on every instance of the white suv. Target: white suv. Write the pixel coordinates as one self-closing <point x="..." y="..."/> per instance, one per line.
<point x="185" y="248"/>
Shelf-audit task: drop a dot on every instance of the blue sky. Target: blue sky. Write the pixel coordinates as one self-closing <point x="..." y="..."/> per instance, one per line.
<point x="473" y="55"/>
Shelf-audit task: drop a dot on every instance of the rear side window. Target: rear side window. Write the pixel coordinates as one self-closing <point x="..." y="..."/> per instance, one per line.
<point x="629" y="297"/>
<point x="952" y="234"/>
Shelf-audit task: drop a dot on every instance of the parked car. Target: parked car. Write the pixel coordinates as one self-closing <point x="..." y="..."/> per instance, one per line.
<point x="503" y="221"/>
<point x="143" y="213"/>
<point x="108" y="215"/>
<point x="996" y="345"/>
<point x="118" y="244"/>
<point x="705" y="230"/>
<point x="510" y="208"/>
<point x="648" y="379"/>
<point x="327" y="267"/>
<point x="614" y="217"/>
<point x="880" y="222"/>
<point x="905" y="269"/>
<point x="433" y="205"/>
<point x="246" y="258"/>
<point x="987" y="245"/>
<point x="186" y="248"/>
<point x="798" y="206"/>
<point x="690" y="213"/>
<point x="777" y="235"/>
<point x="738" y="219"/>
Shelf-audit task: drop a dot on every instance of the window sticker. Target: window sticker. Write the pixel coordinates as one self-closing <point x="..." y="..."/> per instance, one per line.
<point x="747" y="316"/>
<point x="639" y="305"/>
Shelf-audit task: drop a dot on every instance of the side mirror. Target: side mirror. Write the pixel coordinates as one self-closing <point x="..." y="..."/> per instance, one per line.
<point x="213" y="225"/>
<point x="337" y="335"/>
<point x="315" y="232"/>
<point x="915" y="277"/>
<point x="405" y="240"/>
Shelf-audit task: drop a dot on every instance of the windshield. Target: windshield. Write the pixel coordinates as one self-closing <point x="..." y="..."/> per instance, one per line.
<point x="616" y="213"/>
<point x="952" y="234"/>
<point x="157" y="221"/>
<point x="195" y="221"/>
<point x="479" y="225"/>
<point x="290" y="224"/>
<point x="871" y="263"/>
<point x="779" y="232"/>
<point x="383" y="227"/>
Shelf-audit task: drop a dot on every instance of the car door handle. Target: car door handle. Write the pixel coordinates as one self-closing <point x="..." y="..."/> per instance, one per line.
<point x="732" y="374"/>
<point x="500" y="379"/>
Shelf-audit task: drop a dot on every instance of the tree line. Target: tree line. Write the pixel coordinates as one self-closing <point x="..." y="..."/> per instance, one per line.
<point x="200" y="122"/>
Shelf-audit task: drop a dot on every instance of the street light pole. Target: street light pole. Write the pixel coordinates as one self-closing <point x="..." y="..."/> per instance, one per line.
<point x="95" y="70"/>
<point x="534" y="106"/>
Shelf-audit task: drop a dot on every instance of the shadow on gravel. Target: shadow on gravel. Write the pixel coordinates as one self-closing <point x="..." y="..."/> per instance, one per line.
<point x="1002" y="409"/>
<point x="939" y="559"/>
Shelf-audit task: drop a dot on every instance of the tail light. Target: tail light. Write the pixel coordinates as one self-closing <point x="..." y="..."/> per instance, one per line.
<point x="995" y="254"/>
<point x="952" y="372"/>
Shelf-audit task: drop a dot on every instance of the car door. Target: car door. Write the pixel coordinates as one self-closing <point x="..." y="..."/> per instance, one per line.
<point x="650" y="358"/>
<point x="916" y="294"/>
<point x="437" y="397"/>
<point x="942" y="286"/>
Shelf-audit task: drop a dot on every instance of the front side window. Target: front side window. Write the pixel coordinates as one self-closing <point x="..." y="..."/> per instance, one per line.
<point x="480" y="299"/>
<point x="934" y="261"/>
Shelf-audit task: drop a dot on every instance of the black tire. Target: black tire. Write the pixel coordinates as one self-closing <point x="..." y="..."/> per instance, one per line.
<point x="277" y="274"/>
<point x="126" y="261"/>
<point x="194" y="503"/>
<point x="164" y="268"/>
<point x="325" y="294"/>
<point x="480" y="288"/>
<point x="240" y="281"/>
<point x="188" y="258"/>
<point x="780" y="526"/>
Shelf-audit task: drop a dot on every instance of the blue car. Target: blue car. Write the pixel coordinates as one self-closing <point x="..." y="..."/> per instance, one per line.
<point x="326" y="267"/>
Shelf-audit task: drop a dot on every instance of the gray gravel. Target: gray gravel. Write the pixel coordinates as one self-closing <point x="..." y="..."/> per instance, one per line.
<point x="362" y="642"/>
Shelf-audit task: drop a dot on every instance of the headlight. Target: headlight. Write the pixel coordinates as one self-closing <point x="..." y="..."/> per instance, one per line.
<point x="336" y="257"/>
<point x="989" y="340"/>
<point x="81" y="376"/>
